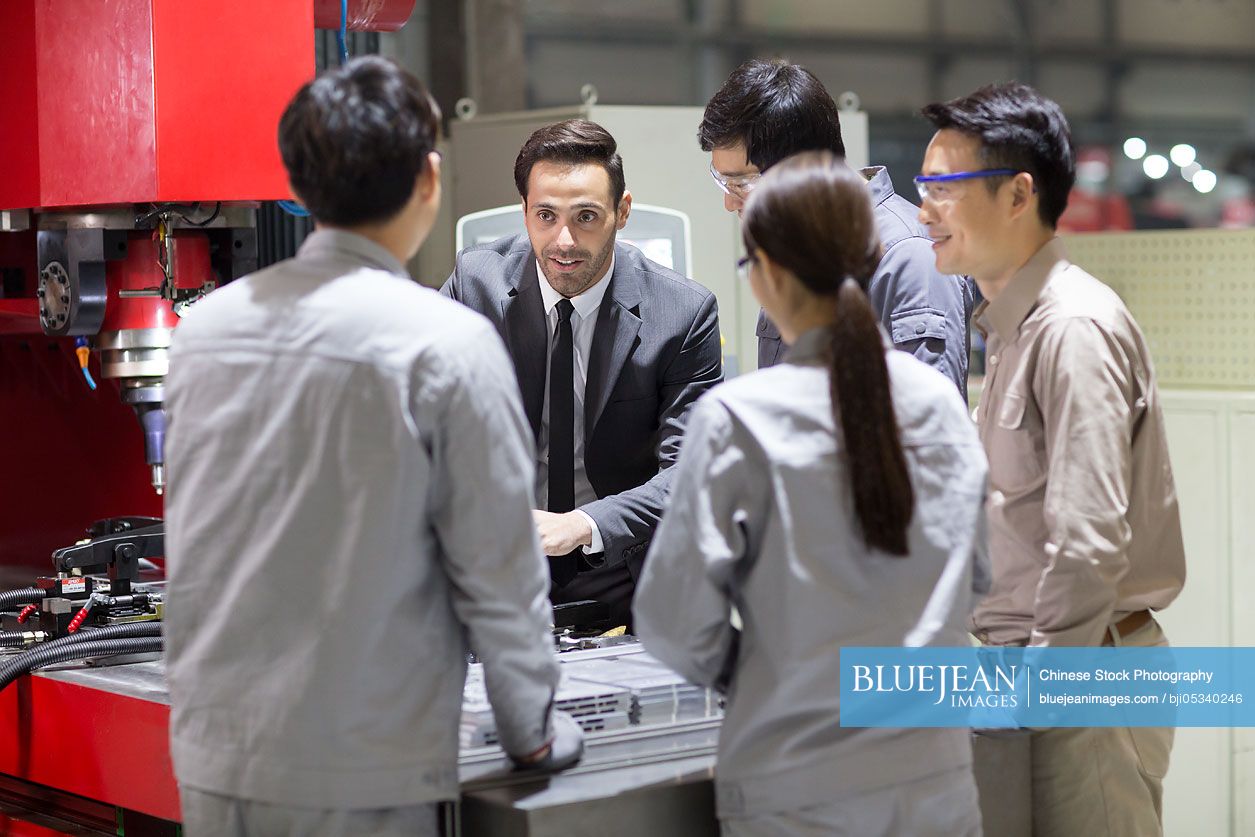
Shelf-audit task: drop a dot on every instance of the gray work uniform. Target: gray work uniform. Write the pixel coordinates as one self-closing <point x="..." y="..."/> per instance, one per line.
<point x="213" y="815"/>
<point x="926" y="313"/>
<point x="761" y="519"/>
<point x="349" y="511"/>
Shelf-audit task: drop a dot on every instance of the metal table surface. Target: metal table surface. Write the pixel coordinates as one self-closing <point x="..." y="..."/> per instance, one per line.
<point x="100" y="731"/>
<point x="655" y="780"/>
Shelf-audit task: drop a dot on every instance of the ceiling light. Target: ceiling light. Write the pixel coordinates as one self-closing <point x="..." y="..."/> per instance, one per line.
<point x="1183" y="154"/>
<point x="1204" y="181"/>
<point x="1155" y="166"/>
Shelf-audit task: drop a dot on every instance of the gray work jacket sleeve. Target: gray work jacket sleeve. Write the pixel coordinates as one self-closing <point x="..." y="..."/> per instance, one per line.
<point x="771" y="348"/>
<point x="684" y="599"/>
<point x="449" y="288"/>
<point x="629" y="517"/>
<point x="925" y="312"/>
<point x="481" y="491"/>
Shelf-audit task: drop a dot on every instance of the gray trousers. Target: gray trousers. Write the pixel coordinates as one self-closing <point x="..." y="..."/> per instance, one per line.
<point x="212" y="815"/>
<point x="944" y="805"/>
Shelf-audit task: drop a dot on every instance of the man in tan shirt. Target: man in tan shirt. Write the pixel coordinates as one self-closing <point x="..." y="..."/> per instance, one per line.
<point x="1084" y="531"/>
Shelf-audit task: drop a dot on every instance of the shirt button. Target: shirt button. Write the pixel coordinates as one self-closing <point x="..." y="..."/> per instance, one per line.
<point x="996" y="499"/>
<point x="919" y="329"/>
<point x="993" y="360"/>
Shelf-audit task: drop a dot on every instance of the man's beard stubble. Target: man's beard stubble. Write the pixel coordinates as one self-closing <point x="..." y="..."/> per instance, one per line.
<point x="574" y="284"/>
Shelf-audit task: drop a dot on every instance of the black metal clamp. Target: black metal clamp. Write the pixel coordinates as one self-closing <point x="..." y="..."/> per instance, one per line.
<point x="115" y="546"/>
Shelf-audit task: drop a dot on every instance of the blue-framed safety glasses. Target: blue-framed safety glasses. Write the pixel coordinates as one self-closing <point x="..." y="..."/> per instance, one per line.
<point x="936" y="186"/>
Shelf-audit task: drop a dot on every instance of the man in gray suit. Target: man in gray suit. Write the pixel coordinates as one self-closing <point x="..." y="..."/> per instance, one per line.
<point x="610" y="350"/>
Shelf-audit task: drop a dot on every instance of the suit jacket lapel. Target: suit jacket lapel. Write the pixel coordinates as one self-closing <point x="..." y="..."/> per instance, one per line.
<point x="618" y="323"/>
<point x="523" y="312"/>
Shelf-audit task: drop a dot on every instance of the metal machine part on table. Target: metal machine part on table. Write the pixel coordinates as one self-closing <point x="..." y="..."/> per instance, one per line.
<point x="603" y="689"/>
<point x="94" y="583"/>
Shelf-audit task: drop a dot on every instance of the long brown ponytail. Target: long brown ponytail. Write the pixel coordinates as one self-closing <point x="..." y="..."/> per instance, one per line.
<point x="812" y="215"/>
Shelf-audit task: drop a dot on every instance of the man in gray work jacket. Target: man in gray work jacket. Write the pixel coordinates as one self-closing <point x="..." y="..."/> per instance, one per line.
<point x="768" y="110"/>
<point x="349" y="506"/>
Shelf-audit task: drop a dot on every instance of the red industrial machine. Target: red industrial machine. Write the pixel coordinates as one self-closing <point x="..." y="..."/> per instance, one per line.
<point x="137" y="138"/>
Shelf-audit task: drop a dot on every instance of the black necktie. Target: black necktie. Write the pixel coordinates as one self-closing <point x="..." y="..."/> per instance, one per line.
<point x="562" y="414"/>
<point x="562" y="434"/>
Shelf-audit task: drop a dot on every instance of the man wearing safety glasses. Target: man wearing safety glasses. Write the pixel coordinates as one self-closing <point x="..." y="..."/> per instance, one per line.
<point x="769" y="110"/>
<point x="1084" y="532"/>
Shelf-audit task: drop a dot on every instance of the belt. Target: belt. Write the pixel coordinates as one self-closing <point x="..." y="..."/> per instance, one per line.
<point x="1124" y="627"/>
<point x="1133" y="622"/>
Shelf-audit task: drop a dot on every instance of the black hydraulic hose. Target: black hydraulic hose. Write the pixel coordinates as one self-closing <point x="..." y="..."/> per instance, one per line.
<point x="130" y="630"/>
<point x="25" y="596"/>
<point x="30" y="660"/>
<point x="11" y="638"/>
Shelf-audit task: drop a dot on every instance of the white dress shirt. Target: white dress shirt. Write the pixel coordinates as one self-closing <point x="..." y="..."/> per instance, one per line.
<point x="583" y="324"/>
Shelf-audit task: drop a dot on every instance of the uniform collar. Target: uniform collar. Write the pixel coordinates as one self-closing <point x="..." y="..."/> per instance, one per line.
<point x="339" y="242"/>
<point x="814" y="346"/>
<point x="587" y="303"/>
<point x="1005" y="314"/>
<point x="879" y="182"/>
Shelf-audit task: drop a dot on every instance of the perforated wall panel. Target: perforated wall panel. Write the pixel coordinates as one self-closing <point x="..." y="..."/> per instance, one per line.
<point x="1192" y="292"/>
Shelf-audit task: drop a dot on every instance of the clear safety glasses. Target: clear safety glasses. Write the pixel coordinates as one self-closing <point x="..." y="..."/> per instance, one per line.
<point x="738" y="187"/>
<point x="940" y="188"/>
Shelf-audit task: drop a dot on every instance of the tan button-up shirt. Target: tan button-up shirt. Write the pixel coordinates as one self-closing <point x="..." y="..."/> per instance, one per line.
<point x="1083" y="520"/>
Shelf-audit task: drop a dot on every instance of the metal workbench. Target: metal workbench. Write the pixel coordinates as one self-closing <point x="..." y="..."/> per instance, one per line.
<point x="101" y="733"/>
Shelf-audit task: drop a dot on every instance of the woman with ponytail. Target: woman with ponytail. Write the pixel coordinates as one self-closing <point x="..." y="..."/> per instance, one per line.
<point x="833" y="500"/>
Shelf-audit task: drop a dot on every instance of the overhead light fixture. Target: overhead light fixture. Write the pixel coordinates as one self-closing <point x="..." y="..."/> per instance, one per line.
<point x="1183" y="154"/>
<point x="1204" y="181"/>
<point x="1135" y="148"/>
<point x="1155" y="166"/>
<point x="1189" y="171"/>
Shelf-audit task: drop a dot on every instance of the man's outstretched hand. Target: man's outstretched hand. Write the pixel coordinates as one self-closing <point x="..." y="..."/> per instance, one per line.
<point x="560" y="534"/>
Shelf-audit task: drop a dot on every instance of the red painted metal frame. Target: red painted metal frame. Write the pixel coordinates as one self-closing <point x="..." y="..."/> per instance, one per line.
<point x="89" y="742"/>
<point x="96" y="117"/>
<point x="225" y="72"/>
<point x="106" y="104"/>
<point x="136" y="101"/>
<point x="19" y="127"/>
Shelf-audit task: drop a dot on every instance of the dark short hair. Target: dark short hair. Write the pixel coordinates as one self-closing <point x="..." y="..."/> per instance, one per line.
<point x="1017" y="128"/>
<point x="355" y="139"/>
<point x="775" y="109"/>
<point x="572" y="142"/>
